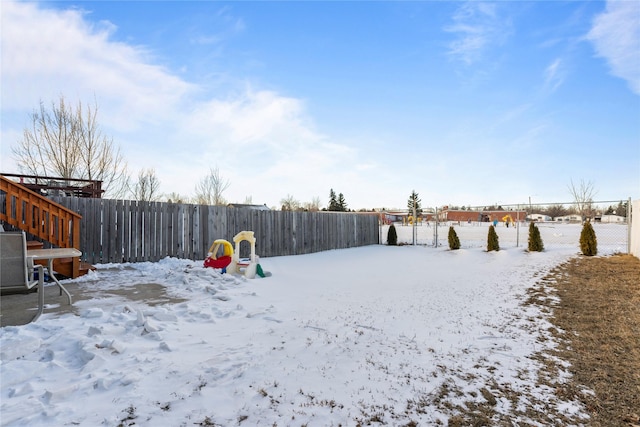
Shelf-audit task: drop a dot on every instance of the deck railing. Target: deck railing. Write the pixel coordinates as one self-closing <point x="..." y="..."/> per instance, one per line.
<point x="56" y="186"/>
<point x="40" y="217"/>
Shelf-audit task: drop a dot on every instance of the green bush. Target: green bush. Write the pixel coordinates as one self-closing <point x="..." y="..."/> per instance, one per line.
<point x="535" y="241"/>
<point x="492" y="240"/>
<point x="588" y="241"/>
<point x="454" y="242"/>
<point x="392" y="236"/>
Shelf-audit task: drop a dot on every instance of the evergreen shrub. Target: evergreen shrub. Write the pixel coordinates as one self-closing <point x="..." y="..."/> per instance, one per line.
<point x="535" y="241"/>
<point x="492" y="240"/>
<point x="588" y="240"/>
<point x="454" y="242"/>
<point x="392" y="236"/>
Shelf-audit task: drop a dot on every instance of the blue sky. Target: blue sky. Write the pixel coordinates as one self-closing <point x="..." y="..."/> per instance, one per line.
<point x="467" y="103"/>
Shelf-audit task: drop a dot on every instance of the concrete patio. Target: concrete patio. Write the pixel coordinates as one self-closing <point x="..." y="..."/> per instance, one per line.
<point x="19" y="309"/>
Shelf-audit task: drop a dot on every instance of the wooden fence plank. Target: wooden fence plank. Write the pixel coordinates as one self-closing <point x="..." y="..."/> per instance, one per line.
<point x="137" y="233"/>
<point x="167" y="224"/>
<point x="149" y="231"/>
<point x="110" y="231"/>
<point x="189" y="218"/>
<point x="88" y="231"/>
<point x="126" y="230"/>
<point x="154" y="226"/>
<point x="119" y="230"/>
<point x="158" y="223"/>
<point x="212" y="227"/>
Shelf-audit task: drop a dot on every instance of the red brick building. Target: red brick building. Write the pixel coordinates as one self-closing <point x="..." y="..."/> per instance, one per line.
<point x="480" y="216"/>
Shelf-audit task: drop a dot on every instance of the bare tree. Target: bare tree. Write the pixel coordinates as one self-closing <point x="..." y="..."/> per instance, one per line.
<point x="176" y="198"/>
<point x="290" y="203"/>
<point x="583" y="198"/>
<point x="555" y="211"/>
<point x="209" y="190"/>
<point x="313" y="205"/>
<point x="622" y="209"/>
<point x="146" y="189"/>
<point x="101" y="160"/>
<point x="68" y="143"/>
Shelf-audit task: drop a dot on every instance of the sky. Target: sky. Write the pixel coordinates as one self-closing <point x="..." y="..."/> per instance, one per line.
<point x="424" y="343"/>
<point x="467" y="103"/>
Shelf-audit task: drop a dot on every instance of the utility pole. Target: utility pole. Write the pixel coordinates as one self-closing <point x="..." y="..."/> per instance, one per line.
<point x="436" y="228"/>
<point x="415" y="230"/>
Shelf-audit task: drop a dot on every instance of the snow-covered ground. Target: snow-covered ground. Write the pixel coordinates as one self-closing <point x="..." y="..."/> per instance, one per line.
<point x="388" y="334"/>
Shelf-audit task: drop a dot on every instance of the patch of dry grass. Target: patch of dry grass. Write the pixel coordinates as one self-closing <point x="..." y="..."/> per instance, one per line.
<point x="597" y="320"/>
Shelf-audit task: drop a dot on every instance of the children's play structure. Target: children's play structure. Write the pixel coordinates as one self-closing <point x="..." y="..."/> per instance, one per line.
<point x="222" y="261"/>
<point x="408" y="220"/>
<point x="230" y="261"/>
<point x="507" y="220"/>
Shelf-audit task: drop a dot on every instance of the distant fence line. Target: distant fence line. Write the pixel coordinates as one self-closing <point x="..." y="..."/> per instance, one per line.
<point x="133" y="231"/>
<point x="612" y="237"/>
<point x="624" y="234"/>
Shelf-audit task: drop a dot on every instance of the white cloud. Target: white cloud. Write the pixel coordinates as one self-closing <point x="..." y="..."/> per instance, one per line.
<point x="478" y="27"/>
<point x="267" y="147"/>
<point x="249" y="117"/>
<point x="615" y="35"/>
<point x="554" y="75"/>
<point x="231" y="25"/>
<point x="48" y="53"/>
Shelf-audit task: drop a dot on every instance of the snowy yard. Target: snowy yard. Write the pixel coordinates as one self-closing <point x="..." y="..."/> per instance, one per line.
<point x="406" y="335"/>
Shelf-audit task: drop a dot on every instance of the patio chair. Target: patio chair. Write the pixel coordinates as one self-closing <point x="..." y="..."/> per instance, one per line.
<point x="15" y="268"/>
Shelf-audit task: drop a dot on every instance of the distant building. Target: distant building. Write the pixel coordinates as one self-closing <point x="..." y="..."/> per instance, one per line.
<point x="569" y="218"/>
<point x="609" y="219"/>
<point x="447" y="214"/>
<point x="246" y="206"/>
<point x="391" y="216"/>
<point x="539" y="218"/>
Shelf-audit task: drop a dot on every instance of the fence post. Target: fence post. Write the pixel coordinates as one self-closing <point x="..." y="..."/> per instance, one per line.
<point x="629" y="224"/>
<point x="414" y="223"/>
<point x="435" y="240"/>
<point x="517" y="226"/>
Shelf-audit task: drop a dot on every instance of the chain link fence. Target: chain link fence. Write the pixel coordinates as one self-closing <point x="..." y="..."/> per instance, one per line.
<point x="560" y="225"/>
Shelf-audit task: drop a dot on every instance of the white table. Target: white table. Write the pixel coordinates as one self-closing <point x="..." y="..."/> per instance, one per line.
<point x="50" y="255"/>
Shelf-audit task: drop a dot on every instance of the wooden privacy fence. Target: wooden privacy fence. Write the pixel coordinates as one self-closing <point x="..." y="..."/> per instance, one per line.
<point x="134" y="231"/>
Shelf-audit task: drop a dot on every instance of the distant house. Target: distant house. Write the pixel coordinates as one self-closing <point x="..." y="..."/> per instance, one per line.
<point x="460" y="216"/>
<point x="246" y="206"/>
<point x="539" y="218"/>
<point x="569" y="218"/>
<point x="613" y="219"/>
